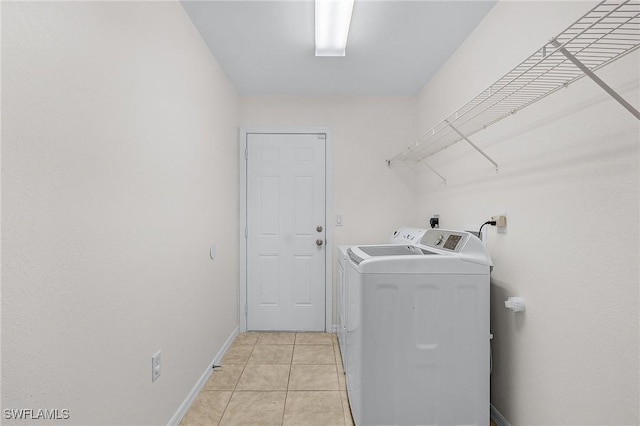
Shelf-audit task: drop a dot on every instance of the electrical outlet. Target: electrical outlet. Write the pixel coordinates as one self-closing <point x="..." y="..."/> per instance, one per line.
<point x="156" y="366"/>
<point x="501" y="223"/>
<point x="500" y="220"/>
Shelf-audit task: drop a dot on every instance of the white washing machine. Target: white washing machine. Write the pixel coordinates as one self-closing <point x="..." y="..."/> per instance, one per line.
<point x="341" y="280"/>
<point x="417" y="333"/>
<point x="404" y="235"/>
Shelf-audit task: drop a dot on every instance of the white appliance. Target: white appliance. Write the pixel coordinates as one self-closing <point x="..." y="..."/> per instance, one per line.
<point x="403" y="235"/>
<point x="341" y="280"/>
<point x="417" y="334"/>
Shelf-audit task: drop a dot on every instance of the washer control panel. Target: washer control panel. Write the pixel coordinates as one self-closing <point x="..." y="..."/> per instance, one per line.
<point x="407" y="236"/>
<point x="452" y="241"/>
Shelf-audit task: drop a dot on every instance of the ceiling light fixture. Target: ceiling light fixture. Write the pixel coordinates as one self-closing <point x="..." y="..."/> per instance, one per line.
<point x="333" y="18"/>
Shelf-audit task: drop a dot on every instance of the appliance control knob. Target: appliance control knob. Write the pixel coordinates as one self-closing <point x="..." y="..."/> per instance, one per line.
<point x="439" y="239"/>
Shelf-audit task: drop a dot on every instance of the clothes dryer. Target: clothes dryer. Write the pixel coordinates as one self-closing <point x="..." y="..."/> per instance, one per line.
<point x="418" y="331"/>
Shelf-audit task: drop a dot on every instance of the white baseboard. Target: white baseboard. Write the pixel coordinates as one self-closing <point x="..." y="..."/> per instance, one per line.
<point x="333" y="329"/>
<point x="225" y="347"/>
<point x="498" y="418"/>
<point x="184" y="407"/>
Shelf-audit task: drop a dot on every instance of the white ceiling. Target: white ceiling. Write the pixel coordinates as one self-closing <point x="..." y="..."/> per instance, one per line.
<point x="394" y="47"/>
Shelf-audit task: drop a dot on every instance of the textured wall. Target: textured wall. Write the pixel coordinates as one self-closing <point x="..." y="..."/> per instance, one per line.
<point x="569" y="182"/>
<point x="372" y="198"/>
<point x="119" y="169"/>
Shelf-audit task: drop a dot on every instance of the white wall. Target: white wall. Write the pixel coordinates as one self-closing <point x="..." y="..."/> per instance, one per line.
<point x="119" y="169"/>
<point x="569" y="182"/>
<point x="372" y="198"/>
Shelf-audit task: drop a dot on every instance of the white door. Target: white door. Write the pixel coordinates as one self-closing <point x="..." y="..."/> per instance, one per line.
<point x="285" y="232"/>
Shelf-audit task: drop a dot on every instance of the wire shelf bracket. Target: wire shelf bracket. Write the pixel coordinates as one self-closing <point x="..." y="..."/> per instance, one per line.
<point x="606" y="33"/>
<point x="596" y="79"/>
<point x="466" y="139"/>
<point x="444" y="180"/>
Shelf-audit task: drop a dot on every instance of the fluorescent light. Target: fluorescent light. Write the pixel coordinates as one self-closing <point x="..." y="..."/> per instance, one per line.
<point x="333" y="18"/>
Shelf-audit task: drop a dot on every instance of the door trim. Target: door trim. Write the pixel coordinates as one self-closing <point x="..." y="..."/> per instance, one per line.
<point x="328" y="258"/>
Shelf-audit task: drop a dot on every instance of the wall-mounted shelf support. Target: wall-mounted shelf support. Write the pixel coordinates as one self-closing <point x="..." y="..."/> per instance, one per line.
<point x="444" y="180"/>
<point x="467" y="140"/>
<point x="596" y="79"/>
<point x="606" y="33"/>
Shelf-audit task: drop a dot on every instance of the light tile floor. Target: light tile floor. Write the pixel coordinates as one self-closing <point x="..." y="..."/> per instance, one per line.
<point x="276" y="379"/>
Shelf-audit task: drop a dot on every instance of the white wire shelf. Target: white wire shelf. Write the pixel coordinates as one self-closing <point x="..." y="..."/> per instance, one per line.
<point x="606" y="33"/>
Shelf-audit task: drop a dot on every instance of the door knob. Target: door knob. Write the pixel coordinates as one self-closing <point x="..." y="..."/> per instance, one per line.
<point x="319" y="242"/>
<point x="319" y="228"/>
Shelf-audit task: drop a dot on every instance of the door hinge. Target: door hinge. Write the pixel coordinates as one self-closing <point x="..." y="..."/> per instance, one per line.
<point x="246" y="310"/>
<point x="246" y="153"/>
<point x="246" y="232"/>
<point x="322" y="136"/>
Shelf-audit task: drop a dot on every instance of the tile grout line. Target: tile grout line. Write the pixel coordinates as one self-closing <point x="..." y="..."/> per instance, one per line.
<point x="286" y="394"/>
<point x="342" y="401"/>
<point x="333" y="346"/>
<point x="233" y="391"/>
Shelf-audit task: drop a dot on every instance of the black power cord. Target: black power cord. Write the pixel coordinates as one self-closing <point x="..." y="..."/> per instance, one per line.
<point x="489" y="222"/>
<point x="434" y="222"/>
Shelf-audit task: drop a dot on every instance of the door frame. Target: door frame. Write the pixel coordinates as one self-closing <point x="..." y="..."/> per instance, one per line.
<point x="328" y="253"/>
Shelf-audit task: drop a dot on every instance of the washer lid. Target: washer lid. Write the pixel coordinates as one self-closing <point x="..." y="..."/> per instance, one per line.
<point x="440" y="251"/>
<point x="394" y="250"/>
<point x="360" y="253"/>
<point x="415" y="260"/>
